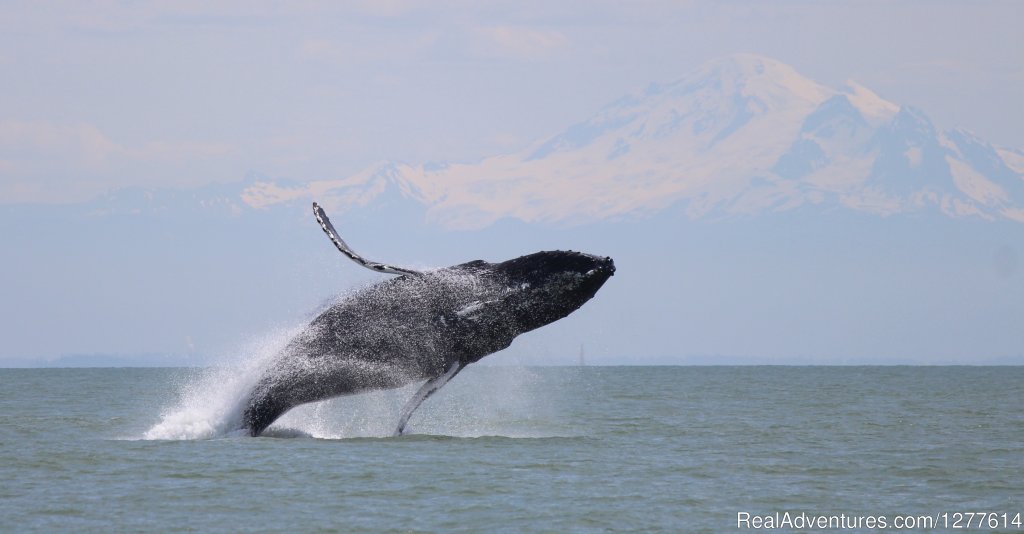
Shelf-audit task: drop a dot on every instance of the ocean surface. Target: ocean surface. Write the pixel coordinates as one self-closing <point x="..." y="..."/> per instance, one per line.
<point x="512" y="449"/>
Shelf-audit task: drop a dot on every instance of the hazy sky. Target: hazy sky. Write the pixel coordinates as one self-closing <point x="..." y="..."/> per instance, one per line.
<point x="102" y="95"/>
<point x="105" y="94"/>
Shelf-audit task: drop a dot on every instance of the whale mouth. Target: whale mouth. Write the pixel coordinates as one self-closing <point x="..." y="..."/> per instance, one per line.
<point x="596" y="276"/>
<point x="606" y="267"/>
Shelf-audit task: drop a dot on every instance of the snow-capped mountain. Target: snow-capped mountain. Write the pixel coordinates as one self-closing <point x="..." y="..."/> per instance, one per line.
<point x="802" y="245"/>
<point x="740" y="135"/>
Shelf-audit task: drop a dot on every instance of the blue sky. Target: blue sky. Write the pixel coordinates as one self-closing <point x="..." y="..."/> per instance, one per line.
<point x="99" y="95"/>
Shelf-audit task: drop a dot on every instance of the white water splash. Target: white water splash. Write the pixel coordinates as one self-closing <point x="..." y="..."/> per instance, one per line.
<point x="482" y="401"/>
<point x="486" y="401"/>
<point x="211" y="403"/>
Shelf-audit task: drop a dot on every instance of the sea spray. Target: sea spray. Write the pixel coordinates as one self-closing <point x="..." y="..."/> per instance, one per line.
<point x="212" y="403"/>
<point x="513" y="402"/>
<point x="212" y="400"/>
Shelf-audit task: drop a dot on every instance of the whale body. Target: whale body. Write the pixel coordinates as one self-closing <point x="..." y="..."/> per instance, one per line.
<point x="420" y="325"/>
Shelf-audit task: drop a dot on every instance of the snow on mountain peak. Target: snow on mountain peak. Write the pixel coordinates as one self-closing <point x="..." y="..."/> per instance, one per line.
<point x="870" y="104"/>
<point x="743" y="134"/>
<point x="751" y="75"/>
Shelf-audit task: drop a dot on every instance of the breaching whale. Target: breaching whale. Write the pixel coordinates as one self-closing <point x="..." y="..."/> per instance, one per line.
<point x="421" y="325"/>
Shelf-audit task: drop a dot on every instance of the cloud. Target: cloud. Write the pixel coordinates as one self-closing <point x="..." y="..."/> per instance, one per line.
<point x="354" y="49"/>
<point x="454" y="39"/>
<point x="50" y="162"/>
<point x="385" y="8"/>
<point x="517" y="42"/>
<point x="81" y="145"/>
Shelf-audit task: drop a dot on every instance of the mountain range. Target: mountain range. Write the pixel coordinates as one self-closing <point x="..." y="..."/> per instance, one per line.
<point x="744" y="135"/>
<point x="755" y="215"/>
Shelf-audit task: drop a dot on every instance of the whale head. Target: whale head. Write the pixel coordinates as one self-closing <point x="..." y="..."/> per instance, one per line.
<point x="547" y="286"/>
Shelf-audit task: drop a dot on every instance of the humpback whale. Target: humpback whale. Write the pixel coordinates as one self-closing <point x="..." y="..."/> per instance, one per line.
<point x="422" y="325"/>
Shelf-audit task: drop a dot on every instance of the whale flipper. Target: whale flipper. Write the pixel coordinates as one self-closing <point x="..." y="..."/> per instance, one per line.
<point x="426" y="390"/>
<point x="325" y="223"/>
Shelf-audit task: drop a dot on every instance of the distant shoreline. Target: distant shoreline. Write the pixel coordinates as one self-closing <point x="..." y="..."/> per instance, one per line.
<point x="6" y="366"/>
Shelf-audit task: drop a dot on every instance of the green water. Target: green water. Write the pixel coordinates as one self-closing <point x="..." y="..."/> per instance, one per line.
<point x="514" y="450"/>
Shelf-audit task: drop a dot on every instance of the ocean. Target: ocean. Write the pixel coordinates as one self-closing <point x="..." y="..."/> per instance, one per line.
<point x="521" y="449"/>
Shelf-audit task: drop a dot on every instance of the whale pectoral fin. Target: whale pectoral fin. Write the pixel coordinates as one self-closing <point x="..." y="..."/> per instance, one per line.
<point x="426" y="390"/>
<point x="332" y="234"/>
